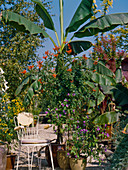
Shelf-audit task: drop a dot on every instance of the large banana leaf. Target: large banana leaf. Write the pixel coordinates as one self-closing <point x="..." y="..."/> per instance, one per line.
<point x="82" y="14"/>
<point x="120" y="94"/>
<point x="42" y="12"/>
<point x="118" y="75"/>
<point x="34" y="87"/>
<point x="99" y="67"/>
<point x="79" y="46"/>
<point x="107" y="118"/>
<point x="20" y="87"/>
<point x="102" y="24"/>
<point x="22" y="24"/>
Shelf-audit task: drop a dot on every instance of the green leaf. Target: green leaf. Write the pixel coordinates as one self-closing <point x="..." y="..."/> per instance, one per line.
<point x="102" y="24"/>
<point x="99" y="67"/>
<point x="22" y="24"/>
<point x="79" y="46"/>
<point x="118" y="75"/>
<point x="20" y="87"/>
<point x="107" y="118"/>
<point x="42" y="12"/>
<point x="82" y="14"/>
<point x="120" y="94"/>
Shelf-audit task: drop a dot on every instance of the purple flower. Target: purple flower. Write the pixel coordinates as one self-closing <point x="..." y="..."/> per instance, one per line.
<point x="105" y="125"/>
<point x="73" y="94"/>
<point x="73" y="110"/>
<point x="68" y="154"/>
<point x="46" y="112"/>
<point x="86" y="130"/>
<point x="66" y="105"/>
<point x="55" y="131"/>
<point x="68" y="94"/>
<point x="71" y="118"/>
<point x="105" y="150"/>
<point x="84" y="121"/>
<point x="77" y="121"/>
<point x="64" y="111"/>
<point x="48" y="108"/>
<point x="56" y="109"/>
<point x="62" y="104"/>
<point x="84" y="125"/>
<point x="65" y="100"/>
<point x="78" y="133"/>
<point x="75" y="156"/>
<point x="98" y="129"/>
<point x="87" y="117"/>
<point x="81" y="130"/>
<point x="77" y="127"/>
<point x="107" y="135"/>
<point x="59" y="115"/>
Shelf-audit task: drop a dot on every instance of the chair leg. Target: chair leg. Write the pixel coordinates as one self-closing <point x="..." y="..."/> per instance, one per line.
<point x="50" y="149"/>
<point x="18" y="157"/>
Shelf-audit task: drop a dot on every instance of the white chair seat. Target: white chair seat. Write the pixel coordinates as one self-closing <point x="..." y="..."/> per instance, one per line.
<point x="34" y="141"/>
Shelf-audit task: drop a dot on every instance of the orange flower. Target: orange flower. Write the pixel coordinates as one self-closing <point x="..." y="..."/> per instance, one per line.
<point x="45" y="57"/>
<point x="46" y="52"/>
<point x="69" y="51"/>
<point x="72" y="81"/>
<point x="39" y="64"/>
<point x="54" y="75"/>
<point x="95" y="62"/>
<point x="94" y="90"/>
<point x="56" y="48"/>
<point x="69" y="70"/>
<point x="24" y="71"/>
<point x="56" y="55"/>
<point x="30" y="67"/>
<point x="94" y="71"/>
<point x="40" y="80"/>
<point x="84" y="57"/>
<point x="65" y="42"/>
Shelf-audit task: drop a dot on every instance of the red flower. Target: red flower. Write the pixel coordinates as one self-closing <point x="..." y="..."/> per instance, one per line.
<point x="56" y="55"/>
<point x="84" y="57"/>
<point x="46" y="52"/>
<point x="54" y="75"/>
<point x="94" y="71"/>
<point x="56" y="48"/>
<point x="95" y="62"/>
<point x="39" y="64"/>
<point x="69" y="51"/>
<point x="72" y="81"/>
<point x="94" y="90"/>
<point x="40" y="80"/>
<point x="45" y="57"/>
<point x="69" y="70"/>
<point x="30" y="67"/>
<point x="24" y="71"/>
<point x="42" y="91"/>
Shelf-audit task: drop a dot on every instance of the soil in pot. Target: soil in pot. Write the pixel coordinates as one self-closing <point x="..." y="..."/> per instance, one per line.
<point x="79" y="164"/>
<point x="10" y="161"/>
<point x="63" y="160"/>
<point x="55" y="148"/>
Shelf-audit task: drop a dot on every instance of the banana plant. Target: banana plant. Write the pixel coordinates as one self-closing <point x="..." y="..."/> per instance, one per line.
<point x="82" y="14"/>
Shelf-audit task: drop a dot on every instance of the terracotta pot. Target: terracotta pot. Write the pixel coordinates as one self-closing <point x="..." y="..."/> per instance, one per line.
<point x="79" y="164"/>
<point x="55" y="148"/>
<point x="10" y="161"/>
<point x="63" y="160"/>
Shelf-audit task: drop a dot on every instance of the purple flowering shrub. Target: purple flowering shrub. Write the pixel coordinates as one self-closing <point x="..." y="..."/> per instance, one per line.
<point x="84" y="137"/>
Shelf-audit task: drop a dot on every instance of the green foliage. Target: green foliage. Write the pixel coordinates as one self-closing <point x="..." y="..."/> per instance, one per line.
<point x="119" y="159"/>
<point x="18" y="49"/>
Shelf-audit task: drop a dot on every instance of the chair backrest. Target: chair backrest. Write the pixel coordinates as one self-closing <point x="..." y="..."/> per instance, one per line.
<point x="25" y="122"/>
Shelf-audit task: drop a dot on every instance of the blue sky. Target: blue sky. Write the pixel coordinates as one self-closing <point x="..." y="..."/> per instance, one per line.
<point x="69" y="8"/>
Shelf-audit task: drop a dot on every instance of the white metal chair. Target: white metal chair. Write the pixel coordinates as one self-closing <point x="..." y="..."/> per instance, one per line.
<point x="28" y="136"/>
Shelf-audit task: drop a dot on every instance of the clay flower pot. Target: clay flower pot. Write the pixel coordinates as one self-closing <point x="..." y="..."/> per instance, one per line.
<point x="63" y="159"/>
<point x="79" y="164"/>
